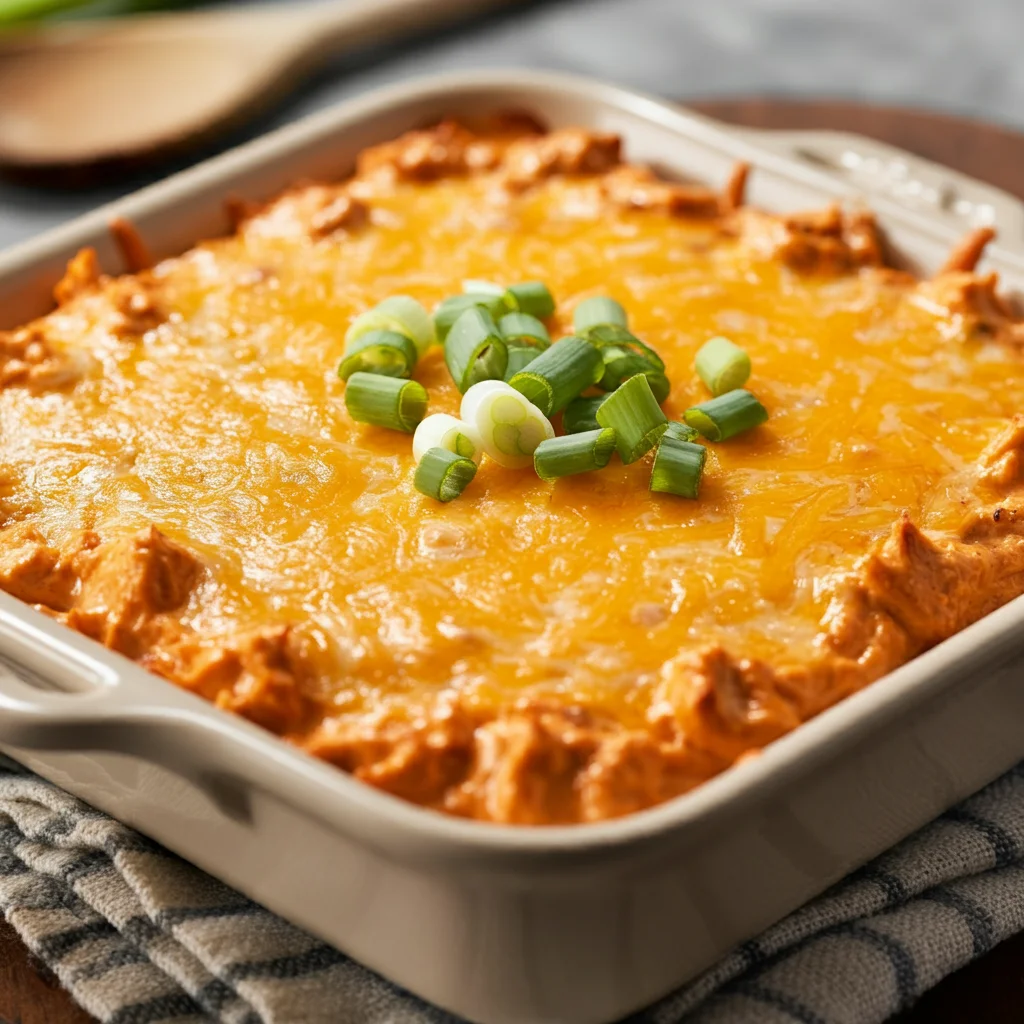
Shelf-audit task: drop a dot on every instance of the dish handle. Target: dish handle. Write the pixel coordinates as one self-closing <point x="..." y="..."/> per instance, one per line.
<point x="59" y="691"/>
<point x="56" y="695"/>
<point x="883" y="171"/>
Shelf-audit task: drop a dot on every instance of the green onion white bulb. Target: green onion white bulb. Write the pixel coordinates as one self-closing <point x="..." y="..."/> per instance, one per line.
<point x="401" y="314"/>
<point x="443" y="431"/>
<point x="509" y="426"/>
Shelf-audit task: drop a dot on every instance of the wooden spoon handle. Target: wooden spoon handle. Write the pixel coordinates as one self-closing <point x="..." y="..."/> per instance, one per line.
<point x="322" y="27"/>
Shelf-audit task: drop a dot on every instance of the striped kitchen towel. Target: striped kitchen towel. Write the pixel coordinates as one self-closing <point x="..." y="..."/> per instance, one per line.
<point x="141" y="937"/>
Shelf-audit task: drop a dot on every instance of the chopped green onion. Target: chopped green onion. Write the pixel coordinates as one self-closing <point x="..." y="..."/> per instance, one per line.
<point x="442" y="474"/>
<point x="611" y="335"/>
<point x="368" y="321"/>
<point x="531" y="297"/>
<point x="413" y="318"/>
<point x="474" y="286"/>
<point x="386" y="401"/>
<point x="681" y="432"/>
<point x="559" y="374"/>
<point x="519" y="357"/>
<point x="474" y="349"/>
<point x="387" y="353"/>
<point x="625" y="355"/>
<point x="678" y="467"/>
<point x="526" y="337"/>
<point x="524" y="329"/>
<point x="575" y="453"/>
<point x="635" y="416"/>
<point x="399" y="313"/>
<point x="660" y="386"/>
<point x="510" y="427"/>
<point x="581" y="414"/>
<point x="596" y="312"/>
<point x="443" y="431"/>
<point x="452" y="308"/>
<point x="722" y="366"/>
<point x="727" y="415"/>
<point x="620" y="364"/>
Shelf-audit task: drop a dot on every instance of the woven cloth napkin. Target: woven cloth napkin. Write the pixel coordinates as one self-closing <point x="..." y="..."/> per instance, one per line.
<point x="139" y="937"/>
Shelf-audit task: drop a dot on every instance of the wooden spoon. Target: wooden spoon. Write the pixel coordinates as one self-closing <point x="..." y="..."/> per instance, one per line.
<point x="91" y="92"/>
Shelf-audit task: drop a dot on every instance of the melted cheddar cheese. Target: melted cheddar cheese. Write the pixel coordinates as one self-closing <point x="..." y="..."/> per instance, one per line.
<point x="182" y="481"/>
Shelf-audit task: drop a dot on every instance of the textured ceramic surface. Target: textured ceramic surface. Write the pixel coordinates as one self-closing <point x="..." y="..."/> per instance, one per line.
<point x="525" y="926"/>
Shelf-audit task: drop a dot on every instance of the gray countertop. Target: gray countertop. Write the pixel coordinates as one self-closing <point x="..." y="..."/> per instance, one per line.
<point x="947" y="54"/>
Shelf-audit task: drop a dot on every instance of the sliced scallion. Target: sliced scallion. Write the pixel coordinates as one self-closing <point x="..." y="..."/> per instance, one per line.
<point x="622" y="363"/>
<point x="722" y="366"/>
<point x="598" y="311"/>
<point x="660" y="386"/>
<point x="474" y="286"/>
<point x="510" y="427"/>
<point x="635" y="416"/>
<point x="387" y="353"/>
<point x="386" y="401"/>
<point x="452" y="308"/>
<point x="619" y="365"/>
<point x="474" y="349"/>
<point x="574" y="453"/>
<point x="519" y="357"/>
<point x="559" y="374"/>
<point x="681" y="432"/>
<point x="612" y="336"/>
<point x="678" y="467"/>
<point x="526" y="337"/>
<point x="531" y="297"/>
<point x="524" y="329"/>
<point x="726" y="415"/>
<point x="412" y="318"/>
<point x="443" y="431"/>
<point x="581" y="414"/>
<point x="442" y="474"/>
<point x="399" y="313"/>
<point x="371" y="320"/>
<point x="624" y="356"/>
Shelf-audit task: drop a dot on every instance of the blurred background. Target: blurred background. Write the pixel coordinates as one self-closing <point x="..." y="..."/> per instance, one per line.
<point x="935" y="54"/>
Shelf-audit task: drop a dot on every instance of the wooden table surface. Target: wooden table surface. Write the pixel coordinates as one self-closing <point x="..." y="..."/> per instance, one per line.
<point x="992" y="988"/>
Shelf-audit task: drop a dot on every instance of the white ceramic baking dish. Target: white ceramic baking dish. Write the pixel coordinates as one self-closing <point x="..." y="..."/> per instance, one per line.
<point x="524" y="926"/>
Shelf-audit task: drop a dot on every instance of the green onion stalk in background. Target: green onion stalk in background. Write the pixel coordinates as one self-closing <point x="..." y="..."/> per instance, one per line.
<point x="20" y="12"/>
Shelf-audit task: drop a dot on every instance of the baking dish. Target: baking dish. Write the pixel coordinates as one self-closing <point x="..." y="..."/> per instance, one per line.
<point x="497" y="924"/>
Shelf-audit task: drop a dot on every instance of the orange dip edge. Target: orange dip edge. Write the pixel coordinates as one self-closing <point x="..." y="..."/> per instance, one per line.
<point x="181" y="480"/>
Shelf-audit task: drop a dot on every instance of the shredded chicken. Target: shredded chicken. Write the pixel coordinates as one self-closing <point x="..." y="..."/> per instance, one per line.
<point x="972" y="305"/>
<point x="968" y="251"/>
<point x="82" y="276"/>
<point x="825" y="241"/>
<point x="134" y="250"/>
